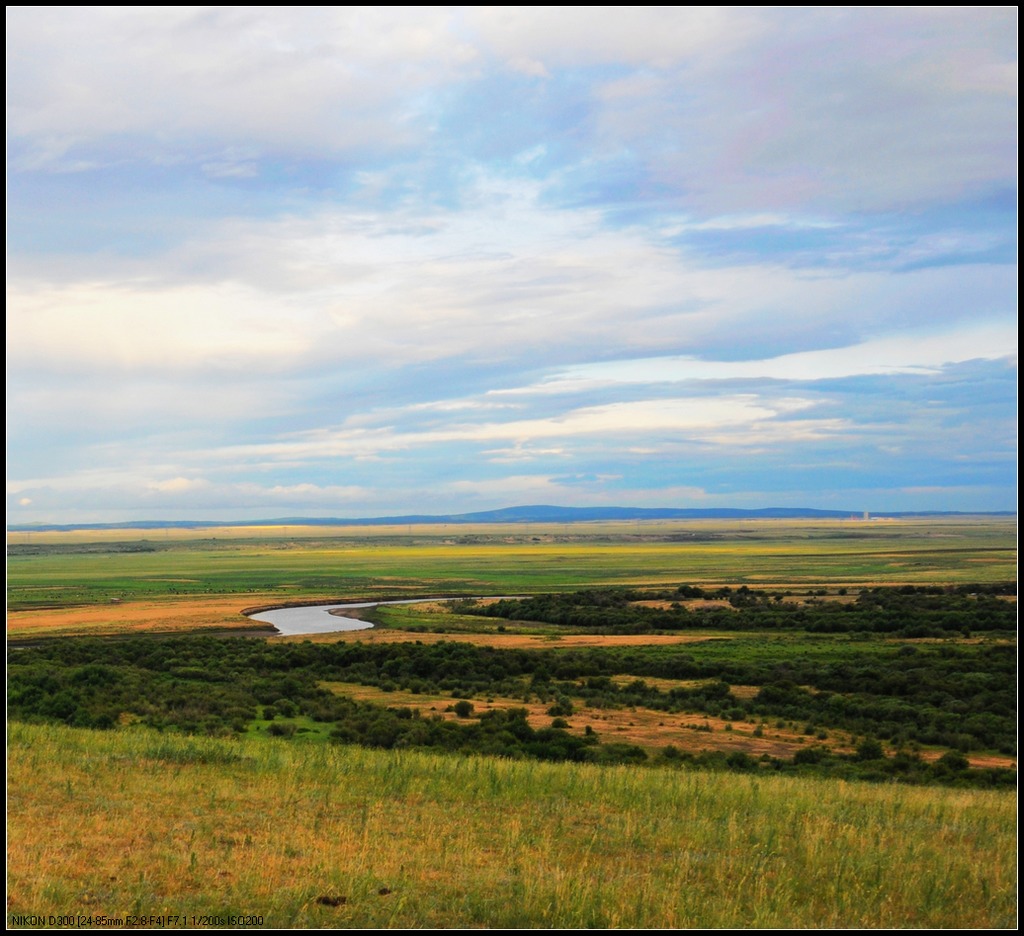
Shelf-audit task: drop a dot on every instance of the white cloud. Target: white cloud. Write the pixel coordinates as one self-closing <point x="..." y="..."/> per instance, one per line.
<point x="522" y="451"/>
<point x="735" y="110"/>
<point x="908" y="353"/>
<point x="134" y="487"/>
<point x="743" y="419"/>
<point x="641" y="36"/>
<point x="153" y="328"/>
<point x="505" y="277"/>
<point x="179" y="485"/>
<point x="299" y="79"/>
<point x="598" y="490"/>
<point x="745" y="222"/>
<point x="305" y="494"/>
<point x="835" y="108"/>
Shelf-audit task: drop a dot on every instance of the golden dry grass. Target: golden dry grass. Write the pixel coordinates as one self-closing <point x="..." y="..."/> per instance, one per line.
<point x="132" y="617"/>
<point x="132" y="822"/>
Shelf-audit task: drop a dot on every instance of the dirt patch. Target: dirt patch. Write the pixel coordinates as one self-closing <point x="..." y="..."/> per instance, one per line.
<point x="696" y="733"/>
<point x="691" y="604"/>
<point x="983" y="760"/>
<point x="650" y="729"/>
<point x="507" y="641"/>
<point x="430" y="704"/>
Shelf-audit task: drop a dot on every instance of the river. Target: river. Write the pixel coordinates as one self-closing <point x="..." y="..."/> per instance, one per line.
<point x="317" y="619"/>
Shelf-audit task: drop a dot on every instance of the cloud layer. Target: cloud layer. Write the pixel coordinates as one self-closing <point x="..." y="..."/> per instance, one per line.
<point x="332" y="261"/>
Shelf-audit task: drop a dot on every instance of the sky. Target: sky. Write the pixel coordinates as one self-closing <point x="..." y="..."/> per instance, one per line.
<point x="280" y="262"/>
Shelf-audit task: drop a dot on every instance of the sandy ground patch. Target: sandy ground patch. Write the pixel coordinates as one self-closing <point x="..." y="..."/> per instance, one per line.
<point x="507" y="641"/>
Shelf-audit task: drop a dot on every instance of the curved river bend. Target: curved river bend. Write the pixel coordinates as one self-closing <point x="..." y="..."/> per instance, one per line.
<point x="317" y="619"/>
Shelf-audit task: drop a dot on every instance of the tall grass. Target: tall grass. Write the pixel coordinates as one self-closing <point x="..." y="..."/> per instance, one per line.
<point x="135" y="822"/>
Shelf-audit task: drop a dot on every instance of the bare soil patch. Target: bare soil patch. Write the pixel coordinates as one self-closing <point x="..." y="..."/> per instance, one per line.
<point x="509" y="641"/>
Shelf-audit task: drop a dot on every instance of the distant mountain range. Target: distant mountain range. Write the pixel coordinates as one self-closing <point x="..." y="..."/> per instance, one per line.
<point x="538" y="513"/>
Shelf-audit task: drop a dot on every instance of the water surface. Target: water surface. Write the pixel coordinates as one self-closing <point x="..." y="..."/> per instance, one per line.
<point x="317" y="619"/>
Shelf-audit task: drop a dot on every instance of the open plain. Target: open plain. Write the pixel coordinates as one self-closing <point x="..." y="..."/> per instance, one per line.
<point x="666" y="776"/>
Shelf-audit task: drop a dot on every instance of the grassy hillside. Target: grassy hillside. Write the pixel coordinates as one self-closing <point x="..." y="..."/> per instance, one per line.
<point x="133" y="823"/>
<point x="130" y="826"/>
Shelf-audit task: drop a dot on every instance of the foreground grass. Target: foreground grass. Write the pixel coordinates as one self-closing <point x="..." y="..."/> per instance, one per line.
<point x="135" y="822"/>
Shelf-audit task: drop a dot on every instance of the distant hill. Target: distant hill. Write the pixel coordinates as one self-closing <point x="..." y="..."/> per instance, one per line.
<point x="537" y="513"/>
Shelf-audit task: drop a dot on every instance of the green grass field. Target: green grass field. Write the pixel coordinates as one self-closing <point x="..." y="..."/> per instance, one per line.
<point x="52" y="570"/>
<point x="134" y="824"/>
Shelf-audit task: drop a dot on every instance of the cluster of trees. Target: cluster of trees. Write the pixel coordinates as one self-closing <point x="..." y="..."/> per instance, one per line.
<point x="904" y="611"/>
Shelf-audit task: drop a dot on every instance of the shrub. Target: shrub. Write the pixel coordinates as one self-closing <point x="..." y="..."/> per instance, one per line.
<point x="811" y="755"/>
<point x="869" y="749"/>
<point x="562" y="706"/>
<point x="953" y="761"/>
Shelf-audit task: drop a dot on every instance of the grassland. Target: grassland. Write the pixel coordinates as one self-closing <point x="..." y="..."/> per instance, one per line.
<point x="309" y="833"/>
<point x="61" y="570"/>
<point x="137" y="823"/>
